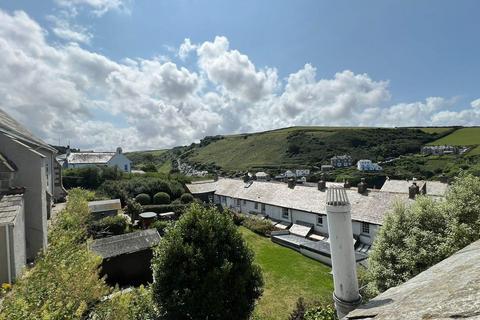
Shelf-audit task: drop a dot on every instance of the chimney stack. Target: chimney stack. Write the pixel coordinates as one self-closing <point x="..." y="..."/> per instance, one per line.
<point x="246" y="177"/>
<point x="291" y="183"/>
<point x="346" y="295"/>
<point x="119" y="150"/>
<point x="413" y="190"/>
<point x="362" y="186"/>
<point x="346" y="184"/>
<point x="322" y="184"/>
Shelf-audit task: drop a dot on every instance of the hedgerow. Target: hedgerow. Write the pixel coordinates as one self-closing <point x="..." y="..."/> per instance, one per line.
<point x="64" y="283"/>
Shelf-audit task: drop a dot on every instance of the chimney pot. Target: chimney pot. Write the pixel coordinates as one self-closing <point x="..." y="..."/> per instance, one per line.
<point x="291" y="183"/>
<point x="413" y="190"/>
<point x="346" y="184"/>
<point x="362" y="186"/>
<point x="322" y="184"/>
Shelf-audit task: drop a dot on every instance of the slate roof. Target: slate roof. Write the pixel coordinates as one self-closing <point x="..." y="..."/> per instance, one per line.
<point x="90" y="157"/>
<point x="449" y="289"/>
<point x="10" y="206"/>
<point x="202" y="187"/>
<point x="104" y="205"/>
<point x="434" y="188"/>
<point x="125" y="243"/>
<point x="12" y="127"/>
<point x="370" y="207"/>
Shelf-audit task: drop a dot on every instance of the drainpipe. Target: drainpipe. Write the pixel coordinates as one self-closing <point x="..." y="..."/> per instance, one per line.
<point x="7" y="241"/>
<point x="346" y="295"/>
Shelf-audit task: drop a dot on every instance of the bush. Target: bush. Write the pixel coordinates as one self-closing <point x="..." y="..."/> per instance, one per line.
<point x="161" y="226"/>
<point x="143" y="199"/>
<point x="89" y="177"/>
<point x="65" y="281"/>
<point x="186" y="198"/>
<point x="161" y="198"/>
<point x="261" y="227"/>
<point x="162" y="208"/>
<point x="203" y="267"/>
<point x="133" y="209"/>
<point x="113" y="225"/>
<point x="313" y="311"/>
<point x="129" y="188"/>
<point x="133" y="305"/>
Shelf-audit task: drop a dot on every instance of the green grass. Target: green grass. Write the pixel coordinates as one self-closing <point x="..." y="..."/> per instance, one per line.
<point x="288" y="275"/>
<point x="475" y="151"/>
<point x="460" y="137"/>
<point x="436" y="129"/>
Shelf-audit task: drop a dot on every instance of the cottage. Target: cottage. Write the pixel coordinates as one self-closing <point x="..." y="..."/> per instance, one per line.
<point x="30" y="180"/>
<point x="368" y="165"/>
<point x="341" y="161"/>
<point x="99" y="159"/>
<point x="430" y="188"/>
<point x="127" y="257"/>
<point x="440" y="150"/>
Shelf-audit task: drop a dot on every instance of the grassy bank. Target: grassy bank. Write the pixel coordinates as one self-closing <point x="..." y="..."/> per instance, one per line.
<point x="288" y="275"/>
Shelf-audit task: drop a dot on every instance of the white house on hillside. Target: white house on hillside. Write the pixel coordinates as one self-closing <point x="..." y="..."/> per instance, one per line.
<point x="101" y="159"/>
<point x="30" y="178"/>
<point x="368" y="165"/>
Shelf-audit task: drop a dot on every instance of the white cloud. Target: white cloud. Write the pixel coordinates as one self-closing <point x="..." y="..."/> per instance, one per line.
<point x="185" y="48"/>
<point x="234" y="71"/>
<point x="99" y="7"/>
<point x="68" y="92"/>
<point x="65" y="30"/>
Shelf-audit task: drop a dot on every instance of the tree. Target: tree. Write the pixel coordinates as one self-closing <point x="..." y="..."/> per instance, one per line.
<point x="415" y="237"/>
<point x="204" y="270"/>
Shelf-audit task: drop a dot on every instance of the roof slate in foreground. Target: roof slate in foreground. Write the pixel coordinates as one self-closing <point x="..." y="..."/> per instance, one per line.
<point x="370" y="207"/>
<point x="17" y="130"/>
<point x="125" y="243"/>
<point x="448" y="290"/>
<point x="10" y="206"/>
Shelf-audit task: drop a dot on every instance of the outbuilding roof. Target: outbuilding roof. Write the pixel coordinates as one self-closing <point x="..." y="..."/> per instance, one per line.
<point x="125" y="243"/>
<point x="449" y="289"/>
<point x="89" y="157"/>
<point x="434" y="188"/>
<point x="370" y="207"/>
<point x="202" y="187"/>
<point x="104" y="205"/>
<point x="10" y="206"/>
<point x="15" y="129"/>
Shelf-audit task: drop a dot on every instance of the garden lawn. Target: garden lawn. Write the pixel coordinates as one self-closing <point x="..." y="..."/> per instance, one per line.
<point x="288" y="275"/>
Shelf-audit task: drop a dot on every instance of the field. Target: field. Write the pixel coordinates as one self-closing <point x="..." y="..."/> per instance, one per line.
<point x="305" y="147"/>
<point x="460" y="137"/>
<point x="288" y="275"/>
<point x="436" y="129"/>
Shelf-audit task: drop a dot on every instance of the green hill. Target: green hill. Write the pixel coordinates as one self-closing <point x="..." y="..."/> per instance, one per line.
<point x="462" y="137"/>
<point x="305" y="146"/>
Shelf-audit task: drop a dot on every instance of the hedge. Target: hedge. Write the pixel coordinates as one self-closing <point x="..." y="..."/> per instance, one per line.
<point x="113" y="225"/>
<point x="162" y="208"/>
<point x="65" y="280"/>
<point x="143" y="199"/>
<point x="161" y="198"/>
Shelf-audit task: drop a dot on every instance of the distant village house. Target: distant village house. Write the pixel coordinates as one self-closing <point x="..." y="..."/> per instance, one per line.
<point x="341" y="161"/>
<point x="368" y="165"/>
<point x="99" y="159"/>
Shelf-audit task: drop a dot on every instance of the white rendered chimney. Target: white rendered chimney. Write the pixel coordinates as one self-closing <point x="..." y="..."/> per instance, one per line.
<point x="345" y="295"/>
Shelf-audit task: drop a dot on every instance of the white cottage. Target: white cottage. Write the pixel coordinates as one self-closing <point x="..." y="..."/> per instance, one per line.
<point x="101" y="159"/>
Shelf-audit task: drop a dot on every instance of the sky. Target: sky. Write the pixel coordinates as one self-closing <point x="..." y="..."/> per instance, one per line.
<point x="144" y="74"/>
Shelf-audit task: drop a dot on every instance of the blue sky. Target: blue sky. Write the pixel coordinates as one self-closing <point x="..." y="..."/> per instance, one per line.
<point x="400" y="63"/>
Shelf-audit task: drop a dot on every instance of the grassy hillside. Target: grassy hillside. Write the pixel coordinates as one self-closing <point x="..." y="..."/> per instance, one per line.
<point x="460" y="137"/>
<point x="306" y="146"/>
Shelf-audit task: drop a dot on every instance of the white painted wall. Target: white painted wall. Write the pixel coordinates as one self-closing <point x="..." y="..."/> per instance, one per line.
<point x="121" y="161"/>
<point x="31" y="174"/>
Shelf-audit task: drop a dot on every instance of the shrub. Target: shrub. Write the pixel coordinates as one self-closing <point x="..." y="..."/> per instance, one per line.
<point x="162" y="208"/>
<point x="113" y="225"/>
<point x="161" y="198"/>
<point x="161" y="226"/>
<point x="65" y="281"/>
<point x="133" y="209"/>
<point x="133" y="305"/>
<point x="261" y="227"/>
<point x="186" y="198"/>
<point x="203" y="267"/>
<point x="143" y="199"/>
<point x="313" y="311"/>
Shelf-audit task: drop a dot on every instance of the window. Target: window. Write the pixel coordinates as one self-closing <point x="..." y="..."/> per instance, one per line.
<point x="256" y="205"/>
<point x="238" y="202"/>
<point x="365" y="227"/>
<point x="285" y="213"/>
<point x="126" y="167"/>
<point x="244" y="201"/>
<point x="320" y="220"/>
